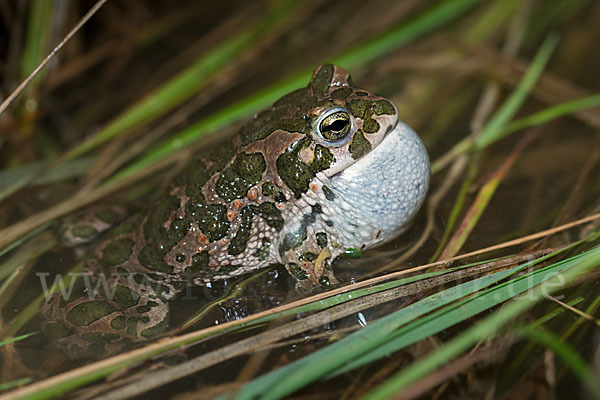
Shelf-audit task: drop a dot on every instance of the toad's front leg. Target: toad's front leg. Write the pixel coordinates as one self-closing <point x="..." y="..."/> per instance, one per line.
<point x="309" y="263"/>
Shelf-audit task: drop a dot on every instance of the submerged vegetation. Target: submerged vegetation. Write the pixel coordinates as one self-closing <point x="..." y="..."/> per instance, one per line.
<point x="493" y="291"/>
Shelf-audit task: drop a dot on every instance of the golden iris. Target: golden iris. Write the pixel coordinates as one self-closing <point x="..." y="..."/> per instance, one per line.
<point x="335" y="126"/>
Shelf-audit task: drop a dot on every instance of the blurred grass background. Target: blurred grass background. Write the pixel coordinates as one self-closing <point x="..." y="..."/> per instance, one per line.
<point x="504" y="93"/>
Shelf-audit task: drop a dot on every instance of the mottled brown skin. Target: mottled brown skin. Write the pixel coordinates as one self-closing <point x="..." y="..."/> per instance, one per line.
<point x="240" y="206"/>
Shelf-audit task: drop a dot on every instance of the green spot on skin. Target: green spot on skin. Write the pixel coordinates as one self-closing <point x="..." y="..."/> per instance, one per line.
<point x="250" y="166"/>
<point x="278" y="118"/>
<point x="85" y="313"/>
<point x="295" y="173"/>
<point x="164" y="208"/>
<point x="308" y="256"/>
<point x="263" y="252"/>
<point x="129" y="226"/>
<point x="359" y="146"/>
<point x="297" y="124"/>
<point x="84" y="232"/>
<point x="211" y="219"/>
<point x="321" y="238"/>
<point x="228" y="269"/>
<point x="280" y="197"/>
<point x="352" y="252"/>
<point x="126" y="297"/>
<point x="382" y="107"/>
<point x="270" y="214"/>
<point x="292" y="240"/>
<point x="321" y="79"/>
<point x="242" y="236"/>
<point x="360" y="108"/>
<point x="246" y="171"/>
<point x="329" y="195"/>
<point x="199" y="262"/>
<point x="370" y="125"/>
<point x="341" y="94"/>
<point x="158" y="239"/>
<point x="268" y="189"/>
<point x="108" y="216"/>
<point x="118" y="323"/>
<point x="151" y="256"/>
<point x="116" y="252"/>
<point x="143" y="309"/>
<point x="292" y="170"/>
<point x="56" y="330"/>
<point x="231" y="186"/>
<point x="219" y="156"/>
<point x="324" y="281"/>
<point x="322" y="160"/>
<point x="297" y="272"/>
<point x="155" y="330"/>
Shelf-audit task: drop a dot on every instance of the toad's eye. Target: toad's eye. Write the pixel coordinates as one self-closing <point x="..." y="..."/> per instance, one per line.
<point x="334" y="125"/>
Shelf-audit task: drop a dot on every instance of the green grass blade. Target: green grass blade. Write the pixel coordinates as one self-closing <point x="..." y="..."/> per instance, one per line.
<point x="443" y="12"/>
<point x="9" y="269"/>
<point x="166" y="97"/>
<point x="23" y="238"/>
<point x="13" y="179"/>
<point x="286" y="380"/>
<point x="433" y="18"/>
<point x="566" y="353"/>
<point x="16" y="339"/>
<point x="493" y="131"/>
<point x="37" y="173"/>
<point x="485" y="328"/>
<point x="525" y="353"/>
<point x="33" y="308"/>
<point x="496" y="14"/>
<point x="451" y="315"/>
<point x="535" y="119"/>
<point x="459" y="204"/>
<point x="549" y="114"/>
<point x="558" y="310"/>
<point x="62" y="386"/>
<point x="494" y="127"/>
<point x="355" y="294"/>
<point x="13" y="384"/>
<point x="553" y="13"/>
<point x="217" y="121"/>
<point x="36" y="39"/>
<point x="185" y="84"/>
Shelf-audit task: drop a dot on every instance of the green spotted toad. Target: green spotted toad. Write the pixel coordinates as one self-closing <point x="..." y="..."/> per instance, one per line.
<point x="326" y="168"/>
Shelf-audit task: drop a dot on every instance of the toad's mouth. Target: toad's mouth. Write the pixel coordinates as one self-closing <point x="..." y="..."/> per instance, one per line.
<point x="384" y="190"/>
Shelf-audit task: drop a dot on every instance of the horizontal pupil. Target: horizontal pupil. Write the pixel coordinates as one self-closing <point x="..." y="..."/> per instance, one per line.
<point x="337" y="125"/>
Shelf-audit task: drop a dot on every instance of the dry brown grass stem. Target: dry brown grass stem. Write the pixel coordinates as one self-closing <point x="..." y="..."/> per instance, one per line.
<point x="54" y="51"/>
